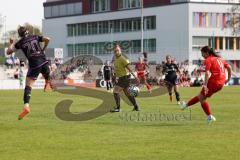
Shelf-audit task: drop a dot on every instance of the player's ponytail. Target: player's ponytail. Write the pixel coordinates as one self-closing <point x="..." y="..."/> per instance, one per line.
<point x="210" y="51"/>
<point x="214" y="53"/>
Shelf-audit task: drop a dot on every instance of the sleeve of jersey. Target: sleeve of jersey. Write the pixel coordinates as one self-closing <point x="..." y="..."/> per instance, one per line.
<point x="226" y="65"/>
<point x="176" y="67"/>
<point x="207" y="64"/>
<point x="126" y="62"/>
<point x="16" y="46"/>
<point x="40" y="38"/>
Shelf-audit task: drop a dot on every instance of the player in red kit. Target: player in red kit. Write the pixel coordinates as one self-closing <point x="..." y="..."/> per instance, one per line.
<point x="140" y="67"/>
<point x="215" y="78"/>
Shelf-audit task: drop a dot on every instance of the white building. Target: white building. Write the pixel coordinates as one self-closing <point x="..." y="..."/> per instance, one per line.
<point x="175" y="27"/>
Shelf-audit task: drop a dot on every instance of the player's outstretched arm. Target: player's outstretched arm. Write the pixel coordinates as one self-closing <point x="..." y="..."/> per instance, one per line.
<point x="46" y="42"/>
<point x="10" y="49"/>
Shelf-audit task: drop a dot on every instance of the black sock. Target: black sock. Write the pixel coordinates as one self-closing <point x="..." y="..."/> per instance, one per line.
<point x="107" y="85"/>
<point x="177" y="96"/>
<point x="132" y="100"/>
<point x="110" y="84"/>
<point x="47" y="77"/>
<point x="27" y="94"/>
<point x="117" y="100"/>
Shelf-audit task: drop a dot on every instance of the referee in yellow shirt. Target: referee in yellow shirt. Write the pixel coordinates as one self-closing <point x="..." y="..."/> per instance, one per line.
<point x="121" y="72"/>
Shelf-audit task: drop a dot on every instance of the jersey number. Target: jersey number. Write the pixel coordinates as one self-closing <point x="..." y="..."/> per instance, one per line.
<point x="220" y="65"/>
<point x="32" y="47"/>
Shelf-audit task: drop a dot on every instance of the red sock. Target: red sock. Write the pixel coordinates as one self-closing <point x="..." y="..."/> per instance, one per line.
<point x="206" y="108"/>
<point x="148" y="87"/>
<point x="193" y="101"/>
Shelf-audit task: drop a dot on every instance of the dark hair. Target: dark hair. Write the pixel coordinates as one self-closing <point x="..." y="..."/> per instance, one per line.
<point x="145" y="54"/>
<point x="22" y="31"/>
<point x="210" y="51"/>
<point x="168" y="56"/>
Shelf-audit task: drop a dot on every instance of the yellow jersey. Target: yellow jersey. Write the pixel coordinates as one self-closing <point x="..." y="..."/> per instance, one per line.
<point x="120" y="64"/>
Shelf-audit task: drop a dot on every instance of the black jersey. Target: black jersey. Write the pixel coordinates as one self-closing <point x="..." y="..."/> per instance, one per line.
<point x="170" y="69"/>
<point x="31" y="48"/>
<point x="107" y="72"/>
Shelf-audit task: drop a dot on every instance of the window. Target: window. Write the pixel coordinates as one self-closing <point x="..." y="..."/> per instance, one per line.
<point x="84" y="29"/>
<point x="70" y="50"/>
<point x="136" y="25"/>
<point x="55" y="11"/>
<point x="47" y="12"/>
<point x="120" y="4"/>
<point x="105" y="27"/>
<point x="123" y="26"/>
<point x="226" y="43"/>
<point x="70" y="9"/>
<point x="151" y="45"/>
<point x="116" y="26"/>
<point x="220" y="43"/>
<point x="100" y="5"/>
<point x="231" y="42"/>
<point x="92" y="28"/>
<point x="78" y="8"/>
<point x="62" y="10"/>
<point x="100" y="27"/>
<point x="214" y="20"/>
<point x="237" y="43"/>
<point x="151" y="22"/>
<point x="199" y="41"/>
<point x="203" y="19"/>
<point x="128" y="25"/>
<point x="136" y="46"/>
<point x="209" y="19"/>
<point x="99" y="47"/>
<point x="70" y="30"/>
<point x="126" y="4"/>
<point x="224" y="22"/>
<point x="103" y="5"/>
<point x="111" y="26"/>
<point x="220" y="20"/>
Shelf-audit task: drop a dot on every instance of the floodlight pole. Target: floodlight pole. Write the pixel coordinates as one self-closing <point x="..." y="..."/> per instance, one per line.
<point x="142" y="27"/>
<point x="5" y="31"/>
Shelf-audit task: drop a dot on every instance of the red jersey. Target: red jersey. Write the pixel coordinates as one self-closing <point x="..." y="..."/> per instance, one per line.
<point x="140" y="66"/>
<point x="217" y="68"/>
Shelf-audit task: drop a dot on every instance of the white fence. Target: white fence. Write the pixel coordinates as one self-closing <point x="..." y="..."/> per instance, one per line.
<point x="15" y="84"/>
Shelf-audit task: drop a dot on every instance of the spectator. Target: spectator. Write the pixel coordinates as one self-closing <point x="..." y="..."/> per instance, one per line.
<point x="16" y="74"/>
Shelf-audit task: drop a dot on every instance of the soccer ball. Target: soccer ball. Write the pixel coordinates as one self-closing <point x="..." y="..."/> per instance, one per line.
<point x="133" y="91"/>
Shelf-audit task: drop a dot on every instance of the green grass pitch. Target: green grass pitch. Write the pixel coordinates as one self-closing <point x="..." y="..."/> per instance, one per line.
<point x="42" y="136"/>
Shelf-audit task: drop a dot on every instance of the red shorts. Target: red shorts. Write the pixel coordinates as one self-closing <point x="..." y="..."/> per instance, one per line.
<point x="141" y="74"/>
<point x="212" y="88"/>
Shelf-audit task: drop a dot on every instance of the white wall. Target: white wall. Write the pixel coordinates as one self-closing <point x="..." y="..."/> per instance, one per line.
<point x="173" y="34"/>
<point x="15" y="84"/>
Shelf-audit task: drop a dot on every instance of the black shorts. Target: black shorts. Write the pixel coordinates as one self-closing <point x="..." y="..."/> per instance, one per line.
<point x="33" y="73"/>
<point x="171" y="80"/>
<point x="123" y="82"/>
<point x="107" y="77"/>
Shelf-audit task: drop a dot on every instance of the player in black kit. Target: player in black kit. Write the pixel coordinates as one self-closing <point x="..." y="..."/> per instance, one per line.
<point x="107" y="74"/>
<point x="30" y="45"/>
<point x="170" y="69"/>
